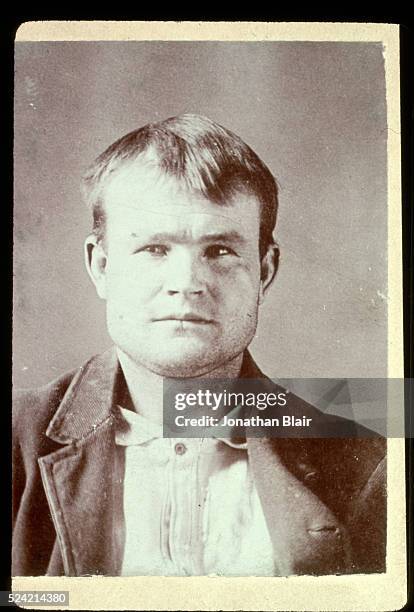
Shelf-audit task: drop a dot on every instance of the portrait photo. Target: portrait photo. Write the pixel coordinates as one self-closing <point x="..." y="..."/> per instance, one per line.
<point x="210" y="208"/>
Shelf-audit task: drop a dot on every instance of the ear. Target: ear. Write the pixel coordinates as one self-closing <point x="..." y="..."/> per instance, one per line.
<point x="95" y="262"/>
<point x="268" y="270"/>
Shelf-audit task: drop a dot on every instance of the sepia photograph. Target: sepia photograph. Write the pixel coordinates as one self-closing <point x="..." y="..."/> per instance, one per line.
<point x="196" y="210"/>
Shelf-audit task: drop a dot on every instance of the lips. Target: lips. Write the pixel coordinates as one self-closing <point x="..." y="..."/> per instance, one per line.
<point x="191" y="317"/>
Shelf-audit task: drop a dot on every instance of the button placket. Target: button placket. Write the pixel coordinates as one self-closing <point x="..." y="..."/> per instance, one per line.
<point x="182" y="510"/>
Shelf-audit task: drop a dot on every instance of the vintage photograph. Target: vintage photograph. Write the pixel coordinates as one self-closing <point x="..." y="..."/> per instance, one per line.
<point x="196" y="209"/>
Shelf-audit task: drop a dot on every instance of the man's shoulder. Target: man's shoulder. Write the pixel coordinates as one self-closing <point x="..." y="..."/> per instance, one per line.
<point x="342" y="450"/>
<point x="89" y="384"/>
<point x="33" y="408"/>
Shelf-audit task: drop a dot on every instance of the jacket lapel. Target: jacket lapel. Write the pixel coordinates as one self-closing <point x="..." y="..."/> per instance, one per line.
<point x="80" y="479"/>
<point x="307" y="538"/>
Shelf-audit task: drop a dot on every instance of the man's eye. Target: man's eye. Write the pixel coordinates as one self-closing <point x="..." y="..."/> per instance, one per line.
<point x="218" y="250"/>
<point x="154" y="249"/>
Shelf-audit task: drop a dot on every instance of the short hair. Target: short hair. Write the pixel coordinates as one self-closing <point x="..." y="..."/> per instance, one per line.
<point x="205" y="156"/>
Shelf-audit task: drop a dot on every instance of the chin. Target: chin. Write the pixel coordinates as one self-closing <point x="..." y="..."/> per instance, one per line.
<point x="187" y="364"/>
<point x="183" y="368"/>
<point x="181" y="357"/>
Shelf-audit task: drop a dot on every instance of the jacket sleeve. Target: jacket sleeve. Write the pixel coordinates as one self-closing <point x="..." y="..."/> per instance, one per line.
<point x="18" y="471"/>
<point x="33" y="533"/>
<point x="368" y="523"/>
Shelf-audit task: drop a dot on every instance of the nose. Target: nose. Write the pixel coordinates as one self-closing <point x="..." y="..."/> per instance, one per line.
<point x="184" y="274"/>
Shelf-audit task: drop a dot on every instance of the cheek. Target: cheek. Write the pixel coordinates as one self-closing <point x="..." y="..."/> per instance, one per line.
<point x="242" y="279"/>
<point x="125" y="282"/>
<point x="125" y="300"/>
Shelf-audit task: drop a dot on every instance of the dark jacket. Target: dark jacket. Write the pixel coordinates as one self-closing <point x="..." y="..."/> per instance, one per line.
<point x="324" y="499"/>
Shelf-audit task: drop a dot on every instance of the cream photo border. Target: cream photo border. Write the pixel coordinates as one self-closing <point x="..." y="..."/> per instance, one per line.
<point x="386" y="591"/>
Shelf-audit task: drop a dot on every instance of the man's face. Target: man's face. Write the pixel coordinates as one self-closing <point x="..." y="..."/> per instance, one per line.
<point x="181" y="275"/>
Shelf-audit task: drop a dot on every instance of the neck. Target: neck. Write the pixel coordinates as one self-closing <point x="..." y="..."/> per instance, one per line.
<point x="146" y="387"/>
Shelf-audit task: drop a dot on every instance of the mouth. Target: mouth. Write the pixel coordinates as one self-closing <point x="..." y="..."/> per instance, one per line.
<point x="186" y="317"/>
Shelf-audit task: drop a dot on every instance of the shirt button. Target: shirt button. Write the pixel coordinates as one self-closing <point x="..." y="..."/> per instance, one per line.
<point x="180" y="448"/>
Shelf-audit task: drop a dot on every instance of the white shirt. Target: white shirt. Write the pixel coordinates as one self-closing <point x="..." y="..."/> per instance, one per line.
<point x="190" y="505"/>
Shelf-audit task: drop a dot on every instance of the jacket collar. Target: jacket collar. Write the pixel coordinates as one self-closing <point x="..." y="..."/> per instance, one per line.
<point x="88" y="400"/>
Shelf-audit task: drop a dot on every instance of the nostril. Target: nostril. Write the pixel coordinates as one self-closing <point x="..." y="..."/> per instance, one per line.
<point x="185" y="292"/>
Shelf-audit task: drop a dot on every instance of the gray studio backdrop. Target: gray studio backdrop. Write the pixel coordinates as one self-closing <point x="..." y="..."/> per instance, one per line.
<point x="314" y="112"/>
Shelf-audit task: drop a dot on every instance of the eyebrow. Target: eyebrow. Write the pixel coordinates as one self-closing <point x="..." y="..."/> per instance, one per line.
<point x="228" y="237"/>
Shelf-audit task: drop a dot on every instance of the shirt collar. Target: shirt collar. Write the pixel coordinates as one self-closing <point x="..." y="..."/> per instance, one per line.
<point x="132" y="429"/>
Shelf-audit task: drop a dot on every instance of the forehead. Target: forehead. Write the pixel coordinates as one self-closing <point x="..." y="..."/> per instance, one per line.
<point x="141" y="197"/>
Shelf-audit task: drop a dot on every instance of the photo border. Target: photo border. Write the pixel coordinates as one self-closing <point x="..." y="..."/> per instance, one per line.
<point x="347" y="592"/>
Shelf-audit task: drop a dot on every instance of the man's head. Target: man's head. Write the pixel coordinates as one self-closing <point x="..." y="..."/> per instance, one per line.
<point x="182" y="248"/>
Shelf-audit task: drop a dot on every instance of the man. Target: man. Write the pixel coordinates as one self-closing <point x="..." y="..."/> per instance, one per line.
<point x="183" y="254"/>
